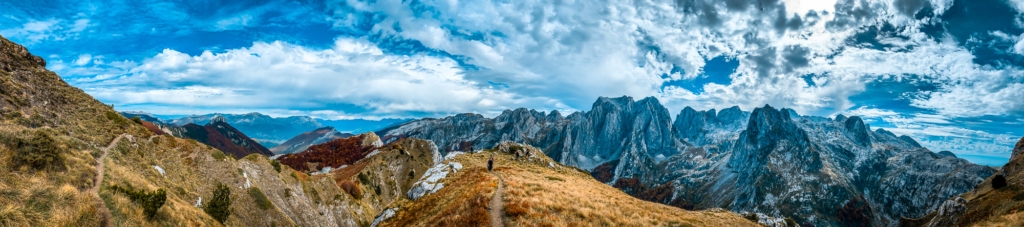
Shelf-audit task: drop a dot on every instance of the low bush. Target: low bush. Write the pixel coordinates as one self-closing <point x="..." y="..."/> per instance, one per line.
<point x="150" y="202"/>
<point x="137" y="120"/>
<point x="363" y="178"/>
<point x="351" y="188"/>
<point x="219" y="206"/>
<point x="276" y="164"/>
<point x="219" y="155"/>
<point x="998" y="182"/>
<point x="261" y="199"/>
<point x="40" y="151"/>
<point x="116" y="118"/>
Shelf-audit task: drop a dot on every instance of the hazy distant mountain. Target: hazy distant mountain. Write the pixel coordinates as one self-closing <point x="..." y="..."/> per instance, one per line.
<point x="775" y="162"/>
<point x="272" y="131"/>
<point x="221" y="135"/>
<point x="142" y="115"/>
<point x="302" y="141"/>
<point x="356" y="126"/>
<point x="260" y="127"/>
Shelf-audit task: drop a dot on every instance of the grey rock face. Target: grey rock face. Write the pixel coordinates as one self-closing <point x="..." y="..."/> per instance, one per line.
<point x="768" y="161"/>
<point x="1018" y="149"/>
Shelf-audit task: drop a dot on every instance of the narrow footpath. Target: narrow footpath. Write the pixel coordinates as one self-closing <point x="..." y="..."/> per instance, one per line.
<point x="497" y="206"/>
<point x="102" y="210"/>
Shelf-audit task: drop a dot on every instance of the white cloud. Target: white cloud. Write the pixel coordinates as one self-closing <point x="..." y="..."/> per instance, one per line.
<point x="577" y="50"/>
<point x="867" y="112"/>
<point x="83" y="59"/>
<point x="275" y="75"/>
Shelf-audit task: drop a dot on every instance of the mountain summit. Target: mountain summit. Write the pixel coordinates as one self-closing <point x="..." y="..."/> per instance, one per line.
<point x="770" y="162"/>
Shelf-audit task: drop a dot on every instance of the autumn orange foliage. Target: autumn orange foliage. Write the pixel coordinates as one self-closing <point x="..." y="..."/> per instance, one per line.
<point x="336" y="153"/>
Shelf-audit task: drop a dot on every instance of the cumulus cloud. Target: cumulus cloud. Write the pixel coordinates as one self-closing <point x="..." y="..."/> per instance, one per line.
<point x="280" y="75"/>
<point x="430" y="58"/>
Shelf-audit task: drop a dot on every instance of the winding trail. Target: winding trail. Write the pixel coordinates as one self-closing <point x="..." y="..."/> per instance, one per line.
<point x="497" y="207"/>
<point x="102" y="210"/>
<point x="100" y="165"/>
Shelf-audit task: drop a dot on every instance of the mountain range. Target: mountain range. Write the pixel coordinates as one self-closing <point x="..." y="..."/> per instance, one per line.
<point x="70" y="160"/>
<point x="771" y="162"/>
<point x="221" y="135"/>
<point x="271" y="131"/>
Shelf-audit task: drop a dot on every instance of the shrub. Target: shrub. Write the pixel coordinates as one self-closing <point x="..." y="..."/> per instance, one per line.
<point x="351" y="188"/>
<point x="261" y="199"/>
<point x="39" y="152"/>
<point x="998" y="182"/>
<point x="363" y="178"/>
<point x="605" y="172"/>
<point x="137" y="120"/>
<point x="219" y="155"/>
<point x="150" y="202"/>
<point x="116" y="118"/>
<point x="219" y="206"/>
<point x="276" y="164"/>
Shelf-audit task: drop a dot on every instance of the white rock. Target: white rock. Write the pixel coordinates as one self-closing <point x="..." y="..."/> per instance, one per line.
<point x="455" y="166"/>
<point x="384" y="216"/>
<point x="428" y="183"/>
<point x="199" y="202"/>
<point x="452" y="155"/>
<point x="161" y="170"/>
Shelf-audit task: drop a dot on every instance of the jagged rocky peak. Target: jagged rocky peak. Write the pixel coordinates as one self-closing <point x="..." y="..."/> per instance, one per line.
<point x="792" y="113"/>
<point x="859" y="132"/>
<point x="554" y="116"/>
<point x="767" y="119"/>
<point x="731" y="114"/>
<point x="218" y="119"/>
<point x="840" y="118"/>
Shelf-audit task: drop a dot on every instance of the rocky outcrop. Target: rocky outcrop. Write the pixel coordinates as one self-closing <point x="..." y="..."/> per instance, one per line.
<point x="1018" y="149"/>
<point x="768" y="161"/>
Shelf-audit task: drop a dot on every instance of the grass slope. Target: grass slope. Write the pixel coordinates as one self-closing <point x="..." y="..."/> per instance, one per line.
<point x="540" y="192"/>
<point x="41" y="114"/>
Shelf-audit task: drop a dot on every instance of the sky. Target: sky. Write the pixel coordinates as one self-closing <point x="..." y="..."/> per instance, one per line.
<point x="949" y="73"/>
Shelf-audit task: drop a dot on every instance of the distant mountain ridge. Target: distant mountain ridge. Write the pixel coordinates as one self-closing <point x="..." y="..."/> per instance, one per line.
<point x="263" y="128"/>
<point x="219" y="134"/>
<point x="770" y="161"/>
<point x="302" y="141"/>
<point x="272" y="131"/>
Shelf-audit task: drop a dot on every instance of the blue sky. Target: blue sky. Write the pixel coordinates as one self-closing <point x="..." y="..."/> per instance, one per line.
<point x="947" y="72"/>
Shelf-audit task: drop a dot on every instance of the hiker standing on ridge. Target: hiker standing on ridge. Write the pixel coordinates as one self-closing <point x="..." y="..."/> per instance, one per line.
<point x="490" y="163"/>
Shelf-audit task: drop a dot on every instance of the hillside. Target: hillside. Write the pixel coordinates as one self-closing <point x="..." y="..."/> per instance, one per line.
<point x="333" y="154"/>
<point x="302" y="141"/>
<point x="69" y="160"/>
<point x="219" y="134"/>
<point x="532" y="191"/>
<point x="998" y="201"/>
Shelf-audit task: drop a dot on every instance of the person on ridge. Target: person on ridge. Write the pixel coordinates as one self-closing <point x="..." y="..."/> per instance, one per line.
<point x="490" y="163"/>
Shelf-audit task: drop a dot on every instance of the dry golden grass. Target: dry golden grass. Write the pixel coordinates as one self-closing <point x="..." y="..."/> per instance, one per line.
<point x="462" y="202"/>
<point x="539" y="195"/>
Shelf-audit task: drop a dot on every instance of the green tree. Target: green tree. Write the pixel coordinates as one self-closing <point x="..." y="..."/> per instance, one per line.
<point x="219" y="206"/>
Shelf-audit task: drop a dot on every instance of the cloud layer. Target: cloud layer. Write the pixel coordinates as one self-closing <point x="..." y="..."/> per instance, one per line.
<point x="947" y="72"/>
